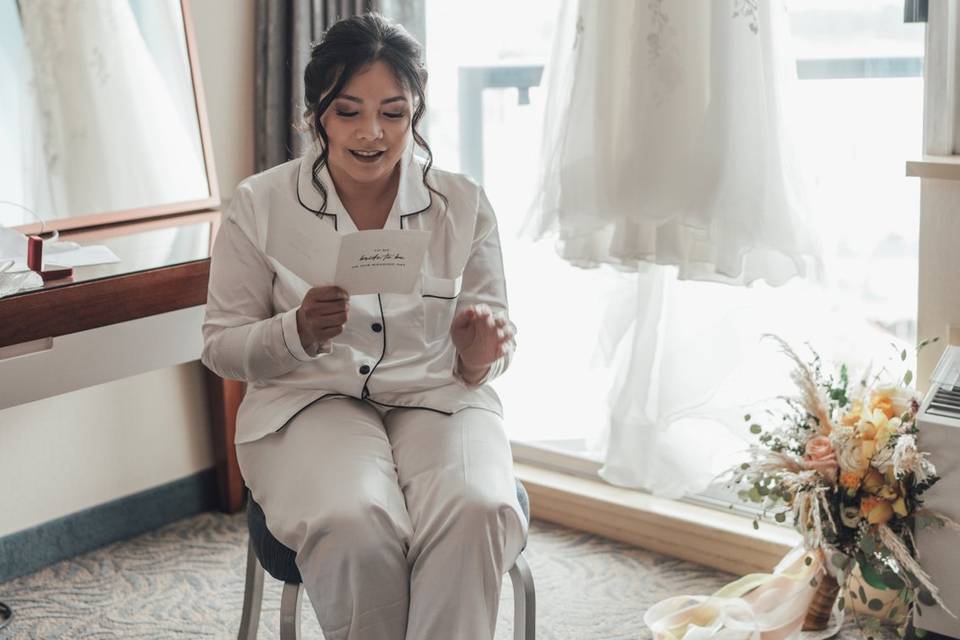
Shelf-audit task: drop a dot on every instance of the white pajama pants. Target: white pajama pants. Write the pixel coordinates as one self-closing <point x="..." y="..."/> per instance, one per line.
<point x="403" y="520"/>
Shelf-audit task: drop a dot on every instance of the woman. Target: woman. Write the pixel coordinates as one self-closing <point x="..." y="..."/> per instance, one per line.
<point x="368" y="433"/>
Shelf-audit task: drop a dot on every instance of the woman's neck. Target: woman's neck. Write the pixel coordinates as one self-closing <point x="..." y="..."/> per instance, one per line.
<point x="367" y="203"/>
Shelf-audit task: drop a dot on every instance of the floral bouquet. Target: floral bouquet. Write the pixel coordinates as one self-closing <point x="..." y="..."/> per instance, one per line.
<point x="842" y="463"/>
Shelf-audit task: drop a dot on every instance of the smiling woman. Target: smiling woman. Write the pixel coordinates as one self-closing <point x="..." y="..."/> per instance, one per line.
<point x="366" y="135"/>
<point x="378" y="99"/>
<point x="368" y="434"/>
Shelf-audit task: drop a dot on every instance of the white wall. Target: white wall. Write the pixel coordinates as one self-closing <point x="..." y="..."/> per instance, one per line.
<point x="225" y="39"/>
<point x="84" y="448"/>
<point x="939" y="304"/>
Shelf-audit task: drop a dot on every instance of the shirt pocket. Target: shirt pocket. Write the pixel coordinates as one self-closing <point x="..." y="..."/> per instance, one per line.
<point x="439" y="299"/>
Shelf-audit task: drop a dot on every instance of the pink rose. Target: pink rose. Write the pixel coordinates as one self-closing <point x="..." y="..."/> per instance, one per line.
<point x="821" y="458"/>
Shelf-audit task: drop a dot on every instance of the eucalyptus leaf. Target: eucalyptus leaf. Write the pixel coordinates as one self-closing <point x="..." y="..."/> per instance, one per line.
<point x="926" y="598"/>
<point x="862" y="594"/>
<point x="892" y="580"/>
<point x="908" y="377"/>
<point x="872" y="577"/>
<point x="875" y="605"/>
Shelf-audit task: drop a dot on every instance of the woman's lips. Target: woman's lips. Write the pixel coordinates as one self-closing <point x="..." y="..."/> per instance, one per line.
<point x="367" y="157"/>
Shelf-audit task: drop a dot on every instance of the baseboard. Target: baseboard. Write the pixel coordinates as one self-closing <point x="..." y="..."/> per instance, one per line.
<point x="32" y="549"/>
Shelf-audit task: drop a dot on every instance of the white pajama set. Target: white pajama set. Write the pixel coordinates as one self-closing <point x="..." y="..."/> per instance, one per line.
<point x="372" y="458"/>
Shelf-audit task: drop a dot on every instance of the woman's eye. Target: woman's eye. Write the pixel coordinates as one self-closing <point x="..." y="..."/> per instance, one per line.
<point x="346" y="114"/>
<point x="394" y="114"/>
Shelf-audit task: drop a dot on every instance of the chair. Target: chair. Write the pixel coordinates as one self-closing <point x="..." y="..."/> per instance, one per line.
<point x="264" y="552"/>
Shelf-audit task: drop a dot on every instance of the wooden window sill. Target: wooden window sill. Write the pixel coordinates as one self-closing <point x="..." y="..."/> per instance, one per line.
<point x="937" y="167"/>
<point x="710" y="537"/>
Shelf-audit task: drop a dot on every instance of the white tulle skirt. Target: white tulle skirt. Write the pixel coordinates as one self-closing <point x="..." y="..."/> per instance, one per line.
<point x="666" y="141"/>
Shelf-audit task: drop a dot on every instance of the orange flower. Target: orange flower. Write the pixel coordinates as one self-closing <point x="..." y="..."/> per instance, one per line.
<point x="852" y="417"/>
<point x="873" y="481"/>
<point x="892" y="400"/>
<point x="883" y="403"/>
<point x="876" y="511"/>
<point x="850" y="480"/>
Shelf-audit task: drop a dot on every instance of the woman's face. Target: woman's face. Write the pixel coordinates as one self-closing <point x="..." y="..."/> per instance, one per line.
<point x="368" y="125"/>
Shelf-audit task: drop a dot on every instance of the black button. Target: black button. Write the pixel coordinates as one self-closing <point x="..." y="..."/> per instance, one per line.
<point x="376" y="326"/>
<point x="364" y="370"/>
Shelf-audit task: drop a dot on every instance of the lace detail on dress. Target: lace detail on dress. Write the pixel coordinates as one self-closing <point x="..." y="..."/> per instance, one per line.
<point x="747" y="9"/>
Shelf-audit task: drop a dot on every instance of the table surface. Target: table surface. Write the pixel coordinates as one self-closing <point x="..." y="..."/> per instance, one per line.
<point x="140" y="247"/>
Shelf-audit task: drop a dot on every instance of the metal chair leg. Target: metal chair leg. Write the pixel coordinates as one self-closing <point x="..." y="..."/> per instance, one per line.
<point x="524" y="601"/>
<point x="252" y="596"/>
<point x="290" y="611"/>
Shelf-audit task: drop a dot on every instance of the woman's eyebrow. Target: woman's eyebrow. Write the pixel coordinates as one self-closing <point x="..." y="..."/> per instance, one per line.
<point x="345" y="96"/>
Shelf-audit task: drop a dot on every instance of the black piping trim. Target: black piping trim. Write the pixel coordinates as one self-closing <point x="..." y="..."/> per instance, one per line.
<point x="314" y="211"/>
<point x="400" y="406"/>
<point x="314" y="401"/>
<point x="334" y="216"/>
<point x="383" y="352"/>
<point x="284" y="338"/>
<point x="382" y="404"/>
<point x="430" y="295"/>
<point x="407" y="215"/>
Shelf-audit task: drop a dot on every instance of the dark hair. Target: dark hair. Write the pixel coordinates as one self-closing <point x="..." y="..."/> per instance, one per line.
<point x="349" y="46"/>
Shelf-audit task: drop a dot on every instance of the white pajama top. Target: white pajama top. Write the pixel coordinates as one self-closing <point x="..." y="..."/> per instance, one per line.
<point x="395" y="349"/>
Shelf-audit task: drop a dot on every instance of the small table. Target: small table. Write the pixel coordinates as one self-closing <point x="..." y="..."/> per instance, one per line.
<point x="113" y="321"/>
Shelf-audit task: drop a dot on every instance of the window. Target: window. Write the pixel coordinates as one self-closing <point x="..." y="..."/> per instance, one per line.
<point x="860" y="91"/>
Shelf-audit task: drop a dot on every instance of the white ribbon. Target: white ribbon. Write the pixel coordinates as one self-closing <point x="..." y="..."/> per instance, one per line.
<point x="757" y="606"/>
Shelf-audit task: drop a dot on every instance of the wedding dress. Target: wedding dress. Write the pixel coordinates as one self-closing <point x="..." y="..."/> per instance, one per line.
<point x="110" y="134"/>
<point x="666" y="141"/>
<point x="667" y="153"/>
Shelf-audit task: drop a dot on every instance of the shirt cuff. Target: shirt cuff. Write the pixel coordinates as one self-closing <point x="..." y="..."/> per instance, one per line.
<point x="291" y="337"/>
<point x="491" y="373"/>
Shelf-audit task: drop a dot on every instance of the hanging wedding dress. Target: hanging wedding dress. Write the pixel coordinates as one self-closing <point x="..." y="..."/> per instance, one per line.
<point x="665" y="141"/>
<point x="110" y="137"/>
<point x="666" y="153"/>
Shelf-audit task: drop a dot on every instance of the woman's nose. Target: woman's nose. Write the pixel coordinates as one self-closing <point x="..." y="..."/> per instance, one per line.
<point x="369" y="129"/>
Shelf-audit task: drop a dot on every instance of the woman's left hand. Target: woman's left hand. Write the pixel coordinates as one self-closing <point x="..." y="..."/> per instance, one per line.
<point x="480" y="335"/>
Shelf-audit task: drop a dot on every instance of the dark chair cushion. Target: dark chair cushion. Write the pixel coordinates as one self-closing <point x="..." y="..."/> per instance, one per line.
<point x="276" y="558"/>
<point x="279" y="560"/>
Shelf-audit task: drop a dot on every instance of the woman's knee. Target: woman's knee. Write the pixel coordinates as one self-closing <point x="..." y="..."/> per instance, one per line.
<point x="478" y="508"/>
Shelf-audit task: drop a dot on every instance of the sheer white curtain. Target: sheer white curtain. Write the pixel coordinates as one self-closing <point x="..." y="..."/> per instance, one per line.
<point x="666" y="152"/>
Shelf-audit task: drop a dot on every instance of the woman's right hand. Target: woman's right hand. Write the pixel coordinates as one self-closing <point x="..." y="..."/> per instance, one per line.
<point x="322" y="314"/>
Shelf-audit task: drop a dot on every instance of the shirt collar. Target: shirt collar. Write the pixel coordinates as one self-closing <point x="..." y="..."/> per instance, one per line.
<point x="412" y="195"/>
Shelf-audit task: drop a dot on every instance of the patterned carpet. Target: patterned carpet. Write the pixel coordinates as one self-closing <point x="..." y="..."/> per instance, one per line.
<point x="186" y="580"/>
